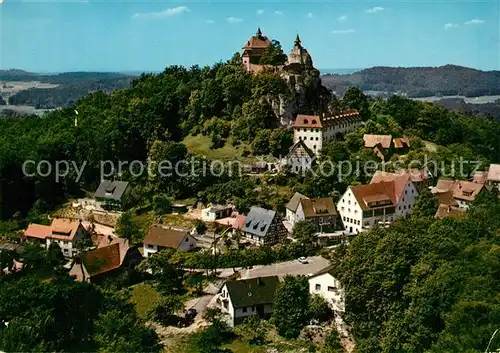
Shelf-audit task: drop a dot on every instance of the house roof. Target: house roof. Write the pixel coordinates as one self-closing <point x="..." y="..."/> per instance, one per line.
<point x="60" y="229"/>
<point x="399" y="179"/>
<point x="112" y="190"/>
<point x="295" y="201"/>
<point x="293" y="152"/>
<point x="418" y="175"/>
<point x="479" y="177"/>
<point x="462" y="190"/>
<point x="217" y="208"/>
<point x="257" y="41"/>
<point x="373" y="140"/>
<point x="236" y="222"/>
<point x="448" y="211"/>
<point x="167" y="237"/>
<point x="327" y="269"/>
<point x="372" y="193"/>
<point x="255" y="291"/>
<point x="307" y="121"/>
<point x="446" y="198"/>
<point x="401" y="142"/>
<point x="258" y="221"/>
<point x="494" y="172"/>
<point x="102" y="259"/>
<point x="318" y="207"/>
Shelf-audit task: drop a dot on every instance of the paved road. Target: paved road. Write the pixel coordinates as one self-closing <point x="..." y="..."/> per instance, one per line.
<point x="294" y="268"/>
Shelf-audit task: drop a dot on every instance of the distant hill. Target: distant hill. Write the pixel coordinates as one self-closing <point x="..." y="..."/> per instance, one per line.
<point x="459" y="105"/>
<point x="71" y="87"/>
<point x="449" y="80"/>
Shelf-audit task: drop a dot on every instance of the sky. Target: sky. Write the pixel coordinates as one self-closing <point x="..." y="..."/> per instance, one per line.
<point x="100" y="35"/>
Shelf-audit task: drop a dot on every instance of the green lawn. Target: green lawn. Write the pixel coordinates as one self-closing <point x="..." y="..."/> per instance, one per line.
<point x="143" y="296"/>
<point x="200" y="145"/>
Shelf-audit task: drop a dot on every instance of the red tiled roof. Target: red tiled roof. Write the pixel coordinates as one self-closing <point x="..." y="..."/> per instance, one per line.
<point x="462" y="190"/>
<point x="60" y="229"/>
<point x="381" y="191"/>
<point x="102" y="260"/>
<point x="233" y="222"/>
<point x="257" y="42"/>
<point x="448" y="211"/>
<point x="494" y="172"/>
<point x="321" y="207"/>
<point x="400" y="142"/>
<point x="166" y="237"/>
<point x="37" y="231"/>
<point x="400" y="180"/>
<point x="311" y="121"/>
<point x="374" y="140"/>
<point x="480" y="177"/>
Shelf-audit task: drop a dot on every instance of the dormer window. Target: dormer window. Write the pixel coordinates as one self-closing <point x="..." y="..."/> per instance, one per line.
<point x="314" y="121"/>
<point x="306" y="121"/>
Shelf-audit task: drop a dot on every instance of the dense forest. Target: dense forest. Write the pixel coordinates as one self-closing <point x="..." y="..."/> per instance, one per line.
<point x="60" y="78"/>
<point x="446" y="80"/>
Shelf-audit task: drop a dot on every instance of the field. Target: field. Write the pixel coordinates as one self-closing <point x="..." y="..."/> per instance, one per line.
<point x="143" y="296"/>
<point x="200" y="145"/>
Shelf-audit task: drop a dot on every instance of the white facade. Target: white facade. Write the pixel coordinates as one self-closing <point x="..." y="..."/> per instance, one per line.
<point x="407" y="200"/>
<point x="312" y="137"/>
<point x="236" y="315"/>
<point x="188" y="243"/>
<point x="330" y="289"/>
<point x="350" y="212"/>
<point x="68" y="248"/>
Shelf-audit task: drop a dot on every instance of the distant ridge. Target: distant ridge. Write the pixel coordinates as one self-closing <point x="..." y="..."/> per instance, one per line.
<point x="448" y="80"/>
<point x="59" y="78"/>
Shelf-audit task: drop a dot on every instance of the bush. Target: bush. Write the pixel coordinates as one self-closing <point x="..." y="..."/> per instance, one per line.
<point x="319" y="309"/>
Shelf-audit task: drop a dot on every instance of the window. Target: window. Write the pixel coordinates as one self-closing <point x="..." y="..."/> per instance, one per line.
<point x="343" y="218"/>
<point x="314" y="145"/>
<point x="186" y="240"/>
<point x="409" y="206"/>
<point x="331" y="289"/>
<point x="225" y="305"/>
<point x="349" y="210"/>
<point x="150" y="246"/>
<point x="311" y="138"/>
<point x="406" y="192"/>
<point x="342" y="208"/>
<point x="300" y="138"/>
<point x="244" y="309"/>
<point x="316" y="139"/>
<point x="317" y="287"/>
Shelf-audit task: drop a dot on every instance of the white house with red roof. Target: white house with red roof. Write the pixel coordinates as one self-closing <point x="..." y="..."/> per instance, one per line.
<point x="388" y="197"/>
<point x="64" y="232"/>
<point x="316" y="131"/>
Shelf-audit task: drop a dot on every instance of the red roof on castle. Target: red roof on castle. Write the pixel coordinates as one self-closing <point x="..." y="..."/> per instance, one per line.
<point x="307" y="121"/>
<point x="315" y="121"/>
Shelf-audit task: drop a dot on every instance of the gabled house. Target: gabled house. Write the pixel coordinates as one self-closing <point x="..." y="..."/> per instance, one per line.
<point x="463" y="192"/>
<point x="448" y="206"/>
<point x="300" y="158"/>
<point x="387" y="198"/>
<point x="264" y="227"/>
<point x="493" y="178"/>
<point x="107" y="260"/>
<point x="159" y="238"/>
<point x="292" y="206"/>
<point x="110" y="194"/>
<point x="321" y="211"/>
<point x="380" y="144"/>
<point x="64" y="232"/>
<point x="323" y="283"/>
<point x="239" y="299"/>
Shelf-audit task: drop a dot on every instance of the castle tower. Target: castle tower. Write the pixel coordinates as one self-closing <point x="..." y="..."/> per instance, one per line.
<point x="254" y="49"/>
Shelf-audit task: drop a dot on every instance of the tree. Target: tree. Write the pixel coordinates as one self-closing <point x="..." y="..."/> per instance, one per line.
<point x="7" y="258"/>
<point x="161" y="204"/>
<point x="168" y="275"/>
<point x="211" y="339"/>
<point x="319" y="310"/>
<point x="200" y="226"/>
<point x="304" y="232"/>
<point x="165" y="309"/>
<point x="55" y="255"/>
<point x="426" y="205"/>
<point x="354" y="98"/>
<point x="126" y="227"/>
<point x="291" y="306"/>
<point x="273" y="55"/>
<point x="260" y="145"/>
<point x="332" y="343"/>
<point x="253" y="330"/>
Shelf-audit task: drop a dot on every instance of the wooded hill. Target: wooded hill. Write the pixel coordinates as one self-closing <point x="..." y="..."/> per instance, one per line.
<point x="448" y="80"/>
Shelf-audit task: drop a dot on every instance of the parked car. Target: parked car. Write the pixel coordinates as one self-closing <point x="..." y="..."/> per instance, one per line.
<point x="302" y="260"/>
<point x="191" y="314"/>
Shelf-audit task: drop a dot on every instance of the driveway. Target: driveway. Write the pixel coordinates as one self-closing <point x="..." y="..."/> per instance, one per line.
<point x="293" y="268"/>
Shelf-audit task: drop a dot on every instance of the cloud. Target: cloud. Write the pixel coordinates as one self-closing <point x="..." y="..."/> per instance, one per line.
<point x="260" y="12"/>
<point x="279" y="13"/>
<point x="1" y="1"/>
<point x="343" y="31"/>
<point x="310" y="15"/>
<point x="234" y="20"/>
<point x="163" y="14"/>
<point x="450" y="25"/>
<point x="474" y="21"/>
<point x="375" y="9"/>
<point x="209" y="22"/>
<point x="342" y="18"/>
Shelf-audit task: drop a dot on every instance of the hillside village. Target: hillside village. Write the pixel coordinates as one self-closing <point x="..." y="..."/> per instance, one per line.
<point x="225" y="259"/>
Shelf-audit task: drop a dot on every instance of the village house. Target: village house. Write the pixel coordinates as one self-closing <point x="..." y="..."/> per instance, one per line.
<point x="235" y="221"/>
<point x="493" y="178"/>
<point x="211" y="214"/>
<point x="320" y="211"/>
<point x="110" y="194"/>
<point x="387" y="198"/>
<point x="239" y="299"/>
<point x="316" y="131"/>
<point x="300" y="158"/>
<point x="324" y="284"/>
<point x="448" y="206"/>
<point x="264" y="227"/>
<point x="420" y="177"/>
<point x="159" y="238"/>
<point x="463" y="192"/>
<point x="384" y="145"/>
<point x="65" y="232"/>
<point x="107" y="260"/>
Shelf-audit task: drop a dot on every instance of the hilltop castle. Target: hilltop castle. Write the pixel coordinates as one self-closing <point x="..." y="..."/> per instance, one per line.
<point x="299" y="58"/>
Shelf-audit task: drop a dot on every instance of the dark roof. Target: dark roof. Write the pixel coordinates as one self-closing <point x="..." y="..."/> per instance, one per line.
<point x="327" y="269"/>
<point x="12" y="247"/>
<point x="170" y="238"/>
<point x="258" y="221"/>
<point x="254" y="291"/>
<point x="294" y="201"/>
<point x="102" y="260"/>
<point x="299" y="147"/>
<point x="112" y="190"/>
